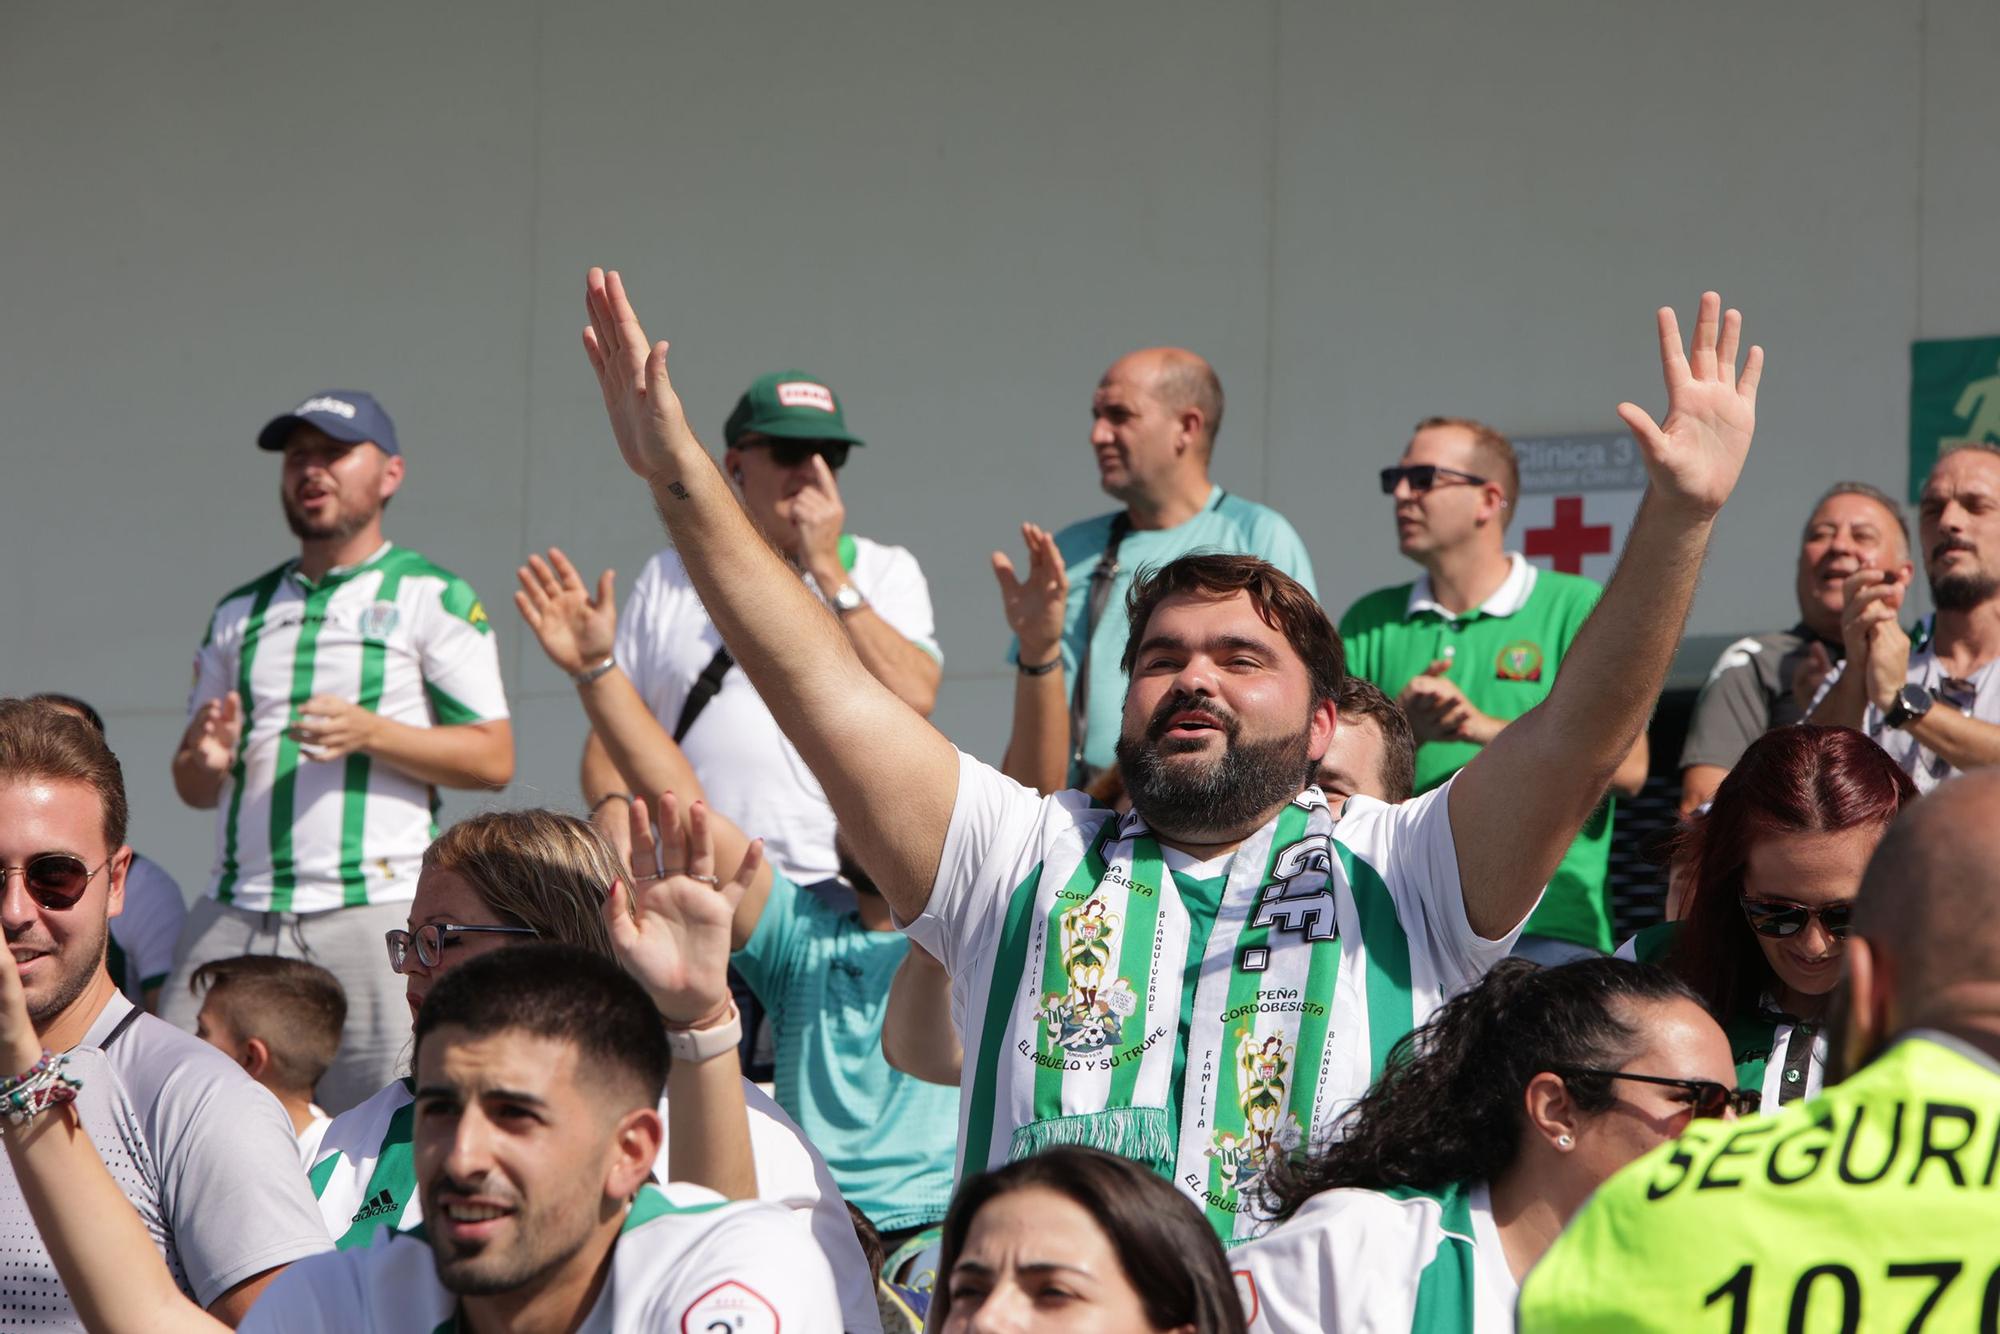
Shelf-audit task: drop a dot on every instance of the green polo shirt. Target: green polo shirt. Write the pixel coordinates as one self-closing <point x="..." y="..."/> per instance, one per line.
<point x="1504" y="654"/>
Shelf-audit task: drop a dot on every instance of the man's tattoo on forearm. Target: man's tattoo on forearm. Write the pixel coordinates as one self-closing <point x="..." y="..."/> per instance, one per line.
<point x="677" y="491"/>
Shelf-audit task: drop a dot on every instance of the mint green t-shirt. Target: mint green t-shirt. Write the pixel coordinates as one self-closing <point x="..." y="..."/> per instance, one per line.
<point x="889" y="1139"/>
<point x="1227" y="523"/>
<point x="1504" y="656"/>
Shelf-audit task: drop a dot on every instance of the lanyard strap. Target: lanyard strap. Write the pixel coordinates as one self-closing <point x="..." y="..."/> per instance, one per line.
<point x="1102" y="576"/>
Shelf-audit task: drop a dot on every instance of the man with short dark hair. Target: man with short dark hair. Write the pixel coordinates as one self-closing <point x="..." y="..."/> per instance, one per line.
<point x="1154" y="419"/>
<point x="1373" y="752"/>
<point x="1766" y="681"/>
<point x="206" y="1157"/>
<point x="1205" y="983"/>
<point x="280" y="1019"/>
<point x="787" y="440"/>
<point x="1889" y="684"/>
<point x="1475" y="642"/>
<point x="539" y="1071"/>
<point x="332" y="697"/>
<point x="1872" y="1206"/>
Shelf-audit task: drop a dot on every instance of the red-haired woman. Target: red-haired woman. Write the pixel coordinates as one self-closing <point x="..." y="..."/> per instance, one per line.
<point x="1773" y="868"/>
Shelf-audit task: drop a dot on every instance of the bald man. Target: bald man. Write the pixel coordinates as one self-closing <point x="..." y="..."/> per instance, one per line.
<point x="1874" y="1205"/>
<point x="1154" y="420"/>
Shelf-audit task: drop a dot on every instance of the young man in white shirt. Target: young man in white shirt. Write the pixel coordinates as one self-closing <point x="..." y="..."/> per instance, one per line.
<point x="206" y="1157"/>
<point x="539" y="1075"/>
<point x="1096" y="1004"/>
<point x="787" y="438"/>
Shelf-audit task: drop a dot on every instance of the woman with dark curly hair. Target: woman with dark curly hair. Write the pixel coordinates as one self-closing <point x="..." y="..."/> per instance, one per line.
<point x="1489" y="1127"/>
<point x="1079" y="1239"/>
<point x="1773" y="868"/>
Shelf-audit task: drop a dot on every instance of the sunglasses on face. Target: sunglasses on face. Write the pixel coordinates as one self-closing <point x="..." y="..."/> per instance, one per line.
<point x="54" y="879"/>
<point x="1423" y="476"/>
<point x="1775" y="917"/>
<point x="1706" y="1097"/>
<point x="791" y="453"/>
<point x="431" y="938"/>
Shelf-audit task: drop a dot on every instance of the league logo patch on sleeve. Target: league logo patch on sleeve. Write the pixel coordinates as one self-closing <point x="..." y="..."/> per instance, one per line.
<point x="730" y="1308"/>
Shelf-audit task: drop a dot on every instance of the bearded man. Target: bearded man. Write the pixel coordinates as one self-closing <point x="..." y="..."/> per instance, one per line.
<point x="332" y="696"/>
<point x="1245" y="913"/>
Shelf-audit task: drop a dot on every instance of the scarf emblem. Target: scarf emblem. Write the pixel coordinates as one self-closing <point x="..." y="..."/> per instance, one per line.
<point x="1089" y="1016"/>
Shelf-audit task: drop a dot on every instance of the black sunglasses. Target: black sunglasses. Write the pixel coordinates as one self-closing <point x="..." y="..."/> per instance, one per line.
<point x="1775" y="917"/>
<point x="430" y="939"/>
<point x="791" y="453"/>
<point x="1705" y="1096"/>
<point x="54" y="879"/>
<point x="1423" y="476"/>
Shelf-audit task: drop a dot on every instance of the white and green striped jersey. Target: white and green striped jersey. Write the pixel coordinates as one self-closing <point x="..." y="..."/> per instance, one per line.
<point x="396" y="634"/>
<point x="1369" y="928"/>
<point x="685" y="1260"/>
<point x="1428" y="1262"/>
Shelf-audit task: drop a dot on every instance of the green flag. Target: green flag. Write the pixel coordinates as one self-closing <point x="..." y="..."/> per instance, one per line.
<point x="1954" y="399"/>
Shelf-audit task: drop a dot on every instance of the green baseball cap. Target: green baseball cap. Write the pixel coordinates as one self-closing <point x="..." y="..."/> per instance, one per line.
<point x="789" y="405"/>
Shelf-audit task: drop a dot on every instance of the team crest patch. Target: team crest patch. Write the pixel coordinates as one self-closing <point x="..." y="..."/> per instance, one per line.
<point x="730" y="1308"/>
<point x="1090" y="1016"/>
<point x="1519" y="661"/>
<point x="1263" y="1077"/>
<point x="379" y="620"/>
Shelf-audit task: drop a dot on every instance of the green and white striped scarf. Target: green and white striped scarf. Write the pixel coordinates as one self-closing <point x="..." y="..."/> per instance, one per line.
<point x="1079" y="1044"/>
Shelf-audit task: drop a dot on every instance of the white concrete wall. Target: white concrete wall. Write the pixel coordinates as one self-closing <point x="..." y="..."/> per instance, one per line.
<point x="959" y="214"/>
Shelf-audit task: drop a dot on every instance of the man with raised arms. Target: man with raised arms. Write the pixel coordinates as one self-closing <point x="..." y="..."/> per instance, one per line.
<point x="1207" y="981"/>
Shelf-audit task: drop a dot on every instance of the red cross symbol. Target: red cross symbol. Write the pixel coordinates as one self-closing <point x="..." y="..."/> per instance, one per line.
<point x="1569" y="539"/>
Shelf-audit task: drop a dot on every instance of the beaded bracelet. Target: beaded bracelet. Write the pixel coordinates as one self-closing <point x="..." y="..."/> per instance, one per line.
<point x="43" y="1085"/>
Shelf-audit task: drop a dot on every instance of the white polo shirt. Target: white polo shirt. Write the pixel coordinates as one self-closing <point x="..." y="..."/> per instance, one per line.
<point x="748" y="770"/>
<point x="685" y="1260"/>
<point x="401" y="637"/>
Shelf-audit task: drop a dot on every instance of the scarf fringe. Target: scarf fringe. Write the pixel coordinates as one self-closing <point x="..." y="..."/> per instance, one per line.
<point x="1144" y="1134"/>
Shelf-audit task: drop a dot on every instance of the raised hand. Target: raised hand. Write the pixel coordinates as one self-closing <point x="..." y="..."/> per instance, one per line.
<point x="1695" y="456"/>
<point x="671" y="929"/>
<point x="818" y="515"/>
<point x="575" y="628"/>
<point x="645" y="412"/>
<point x="213" y="735"/>
<point x="1035" y="605"/>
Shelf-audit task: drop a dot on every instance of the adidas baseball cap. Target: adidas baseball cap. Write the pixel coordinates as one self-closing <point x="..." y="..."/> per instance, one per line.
<point x="789" y="405"/>
<point x="344" y="414"/>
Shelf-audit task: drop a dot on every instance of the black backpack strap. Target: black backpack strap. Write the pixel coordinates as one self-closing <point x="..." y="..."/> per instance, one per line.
<point x="703" y="690"/>
<point x="1102" y="576"/>
<point x="118" y="1029"/>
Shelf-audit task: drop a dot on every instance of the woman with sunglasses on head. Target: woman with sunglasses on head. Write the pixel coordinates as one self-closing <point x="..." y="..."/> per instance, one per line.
<point x="1772" y="871"/>
<point x="1075" y="1239"/>
<point x="1489" y="1128"/>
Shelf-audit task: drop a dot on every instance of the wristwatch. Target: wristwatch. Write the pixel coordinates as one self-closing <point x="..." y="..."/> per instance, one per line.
<point x="700" y="1044"/>
<point x="1912" y="703"/>
<point x="848" y="599"/>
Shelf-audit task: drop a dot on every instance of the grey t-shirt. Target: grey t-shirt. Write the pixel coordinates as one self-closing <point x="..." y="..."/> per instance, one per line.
<point x="205" y="1154"/>
<point x="1749" y="692"/>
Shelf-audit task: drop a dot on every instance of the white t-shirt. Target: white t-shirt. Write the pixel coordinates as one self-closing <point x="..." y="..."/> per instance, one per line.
<point x="405" y="639"/>
<point x="749" y="771"/>
<point x="365" y="1179"/>
<point x="1361" y="1260"/>
<point x="143" y="936"/>
<point x="204" y="1153"/>
<point x="686" y="1262"/>
<point x="1396" y="967"/>
<point x="1976" y="697"/>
